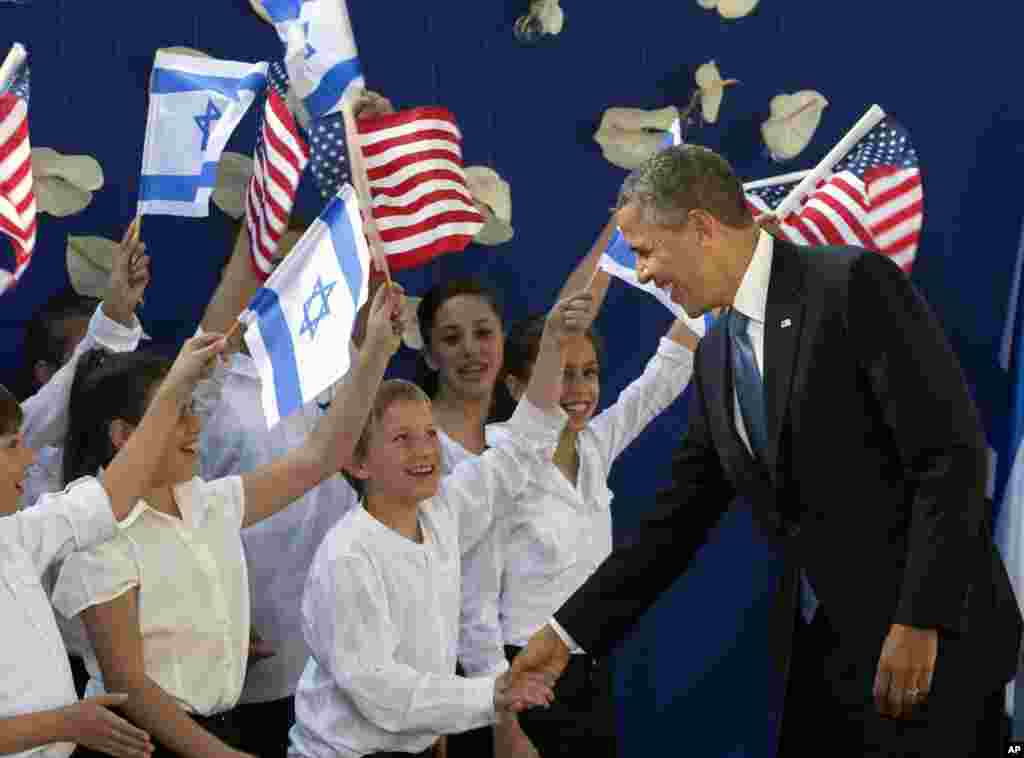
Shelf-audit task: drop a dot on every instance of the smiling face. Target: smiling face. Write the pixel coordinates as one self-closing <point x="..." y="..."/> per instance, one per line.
<point x="402" y="459"/>
<point x="676" y="258"/>
<point x="467" y="347"/>
<point x="581" y="381"/>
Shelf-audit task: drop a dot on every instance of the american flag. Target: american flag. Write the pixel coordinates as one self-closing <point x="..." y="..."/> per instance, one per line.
<point x="17" y="199"/>
<point x="421" y="203"/>
<point x="280" y="158"/>
<point x="873" y="198"/>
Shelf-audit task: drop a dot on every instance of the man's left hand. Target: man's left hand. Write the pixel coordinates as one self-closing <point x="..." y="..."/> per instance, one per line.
<point x="905" y="670"/>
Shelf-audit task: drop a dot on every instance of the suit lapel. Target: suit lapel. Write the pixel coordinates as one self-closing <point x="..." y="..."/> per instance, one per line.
<point x="784" y="317"/>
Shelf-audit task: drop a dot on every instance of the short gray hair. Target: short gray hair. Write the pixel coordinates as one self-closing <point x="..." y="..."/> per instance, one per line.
<point x="682" y="178"/>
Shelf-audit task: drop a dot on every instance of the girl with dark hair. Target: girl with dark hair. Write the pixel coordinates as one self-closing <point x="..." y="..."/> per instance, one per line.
<point x="39" y="711"/>
<point x="459" y="369"/>
<point x="166" y="603"/>
<point x="560" y="529"/>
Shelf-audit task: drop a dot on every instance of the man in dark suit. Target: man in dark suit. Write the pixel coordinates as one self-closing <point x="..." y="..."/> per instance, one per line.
<point x="862" y="457"/>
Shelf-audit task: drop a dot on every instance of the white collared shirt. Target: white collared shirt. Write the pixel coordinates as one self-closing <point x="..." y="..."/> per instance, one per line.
<point x="479" y="630"/>
<point x="34" y="671"/>
<point x="557" y="534"/>
<point x="381" y="612"/>
<point x="193" y="592"/>
<point x="279" y="549"/>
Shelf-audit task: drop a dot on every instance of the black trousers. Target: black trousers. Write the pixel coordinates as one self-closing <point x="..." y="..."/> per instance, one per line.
<point x="581" y="721"/>
<point x="815" y="722"/>
<point x="476" y="743"/>
<point x="265" y="727"/>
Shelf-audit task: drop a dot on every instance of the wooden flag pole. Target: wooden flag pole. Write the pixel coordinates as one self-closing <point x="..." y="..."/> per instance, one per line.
<point x="362" y="186"/>
<point x="867" y="122"/>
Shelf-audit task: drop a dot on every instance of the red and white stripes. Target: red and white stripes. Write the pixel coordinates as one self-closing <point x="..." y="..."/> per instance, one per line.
<point x="17" y="198"/>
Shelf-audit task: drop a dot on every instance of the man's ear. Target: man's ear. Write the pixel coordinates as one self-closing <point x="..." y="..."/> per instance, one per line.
<point x="119" y="430"/>
<point x="42" y="372"/>
<point x="516" y="387"/>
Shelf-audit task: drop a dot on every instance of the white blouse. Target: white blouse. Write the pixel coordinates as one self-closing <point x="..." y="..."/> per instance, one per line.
<point x="34" y="671"/>
<point x="279" y="549"/>
<point x="381" y="612"/>
<point x="556" y="534"/>
<point x="193" y="592"/>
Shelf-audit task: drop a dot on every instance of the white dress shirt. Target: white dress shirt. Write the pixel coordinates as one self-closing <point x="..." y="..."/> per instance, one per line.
<point x="381" y="612"/>
<point x="279" y="549"/>
<point x="752" y="301"/>
<point x="479" y="630"/>
<point x="34" y="671"/>
<point x="193" y="592"/>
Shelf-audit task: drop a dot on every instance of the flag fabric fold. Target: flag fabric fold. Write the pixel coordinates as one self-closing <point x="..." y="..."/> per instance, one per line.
<point x="279" y="160"/>
<point x="17" y="197"/>
<point x="873" y="198"/>
<point x="300" y="322"/>
<point x="320" y="52"/>
<point x="194" y="106"/>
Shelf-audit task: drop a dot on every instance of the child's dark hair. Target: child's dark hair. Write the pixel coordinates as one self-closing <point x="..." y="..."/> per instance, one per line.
<point x="522" y="343"/>
<point x="11" y="414"/>
<point x="427" y="310"/>
<point x="107" y="386"/>
<point x="43" y="339"/>
<point x="390" y="392"/>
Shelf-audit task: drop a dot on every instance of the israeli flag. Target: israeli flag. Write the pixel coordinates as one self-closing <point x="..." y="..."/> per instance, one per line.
<point x="619" y="260"/>
<point x="194" y="106"/>
<point x="320" y="52"/>
<point x="300" y="322"/>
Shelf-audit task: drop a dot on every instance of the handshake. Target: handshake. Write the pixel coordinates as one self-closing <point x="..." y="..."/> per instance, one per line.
<point x="530" y="681"/>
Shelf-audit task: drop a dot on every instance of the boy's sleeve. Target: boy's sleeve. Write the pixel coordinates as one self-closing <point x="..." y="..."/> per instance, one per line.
<point x="479" y="487"/>
<point x="94" y="577"/>
<point x="60" y="523"/>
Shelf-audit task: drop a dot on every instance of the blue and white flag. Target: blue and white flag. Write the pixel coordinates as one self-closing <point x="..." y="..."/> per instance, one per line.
<point x="1009" y="489"/>
<point x="320" y="52"/>
<point x="194" y="106"/>
<point x="300" y="322"/>
<point x="619" y="260"/>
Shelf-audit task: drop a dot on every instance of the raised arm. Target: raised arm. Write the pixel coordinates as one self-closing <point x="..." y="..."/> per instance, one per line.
<point x="113" y="326"/>
<point x="583" y="275"/>
<point x="329" y="447"/>
<point x="238" y="283"/>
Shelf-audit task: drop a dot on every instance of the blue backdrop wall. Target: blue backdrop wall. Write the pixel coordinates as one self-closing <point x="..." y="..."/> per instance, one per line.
<point x="695" y="676"/>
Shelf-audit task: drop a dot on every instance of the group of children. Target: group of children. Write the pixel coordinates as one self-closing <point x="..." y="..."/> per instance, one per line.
<point x="352" y="582"/>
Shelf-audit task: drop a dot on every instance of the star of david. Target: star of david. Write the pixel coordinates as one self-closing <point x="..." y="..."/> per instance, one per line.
<point x="320" y="292"/>
<point x="205" y="121"/>
<point x="309" y="52"/>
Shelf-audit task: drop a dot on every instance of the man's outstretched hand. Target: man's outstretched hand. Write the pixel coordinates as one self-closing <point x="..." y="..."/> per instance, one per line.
<point x="545" y="654"/>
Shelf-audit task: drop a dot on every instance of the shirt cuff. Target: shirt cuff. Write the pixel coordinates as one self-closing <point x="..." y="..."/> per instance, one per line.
<point x="88" y="507"/>
<point x="480" y="693"/>
<point x="564" y="636"/>
<point x="675" y="352"/>
<point x="112" y="335"/>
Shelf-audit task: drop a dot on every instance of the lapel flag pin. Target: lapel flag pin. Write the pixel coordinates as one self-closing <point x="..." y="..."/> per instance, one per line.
<point x="786" y="322"/>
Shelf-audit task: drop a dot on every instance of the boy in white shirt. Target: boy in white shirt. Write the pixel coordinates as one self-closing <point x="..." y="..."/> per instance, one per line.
<point x="382" y="601"/>
<point x="39" y="714"/>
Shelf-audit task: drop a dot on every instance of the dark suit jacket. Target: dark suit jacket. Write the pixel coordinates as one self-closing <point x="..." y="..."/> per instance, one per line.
<point x="873" y="482"/>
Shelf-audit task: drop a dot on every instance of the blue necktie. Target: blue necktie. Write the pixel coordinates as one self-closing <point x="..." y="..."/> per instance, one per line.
<point x="750" y="391"/>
